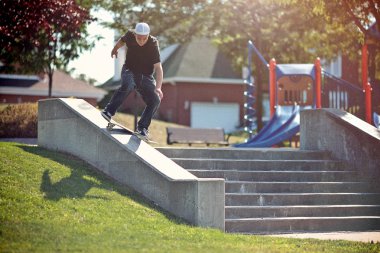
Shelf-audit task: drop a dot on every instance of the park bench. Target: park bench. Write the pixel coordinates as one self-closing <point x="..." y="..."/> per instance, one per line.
<point x="196" y="136"/>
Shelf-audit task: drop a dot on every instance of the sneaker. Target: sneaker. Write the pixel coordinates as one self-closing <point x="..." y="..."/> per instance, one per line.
<point x="143" y="132"/>
<point x="106" y="115"/>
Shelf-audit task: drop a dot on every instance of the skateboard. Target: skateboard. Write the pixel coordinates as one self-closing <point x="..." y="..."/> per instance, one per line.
<point x="112" y="123"/>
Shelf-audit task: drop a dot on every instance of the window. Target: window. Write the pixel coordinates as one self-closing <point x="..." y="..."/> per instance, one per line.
<point x="333" y="67"/>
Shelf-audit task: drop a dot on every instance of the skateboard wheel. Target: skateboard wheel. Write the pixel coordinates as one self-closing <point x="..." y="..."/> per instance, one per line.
<point x="110" y="126"/>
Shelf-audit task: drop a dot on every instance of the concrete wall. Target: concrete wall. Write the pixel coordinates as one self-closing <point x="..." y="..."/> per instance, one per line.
<point x="346" y="136"/>
<point x="76" y="127"/>
<point x="16" y="99"/>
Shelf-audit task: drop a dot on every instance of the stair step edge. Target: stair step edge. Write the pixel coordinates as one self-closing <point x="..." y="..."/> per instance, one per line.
<point x="303" y="218"/>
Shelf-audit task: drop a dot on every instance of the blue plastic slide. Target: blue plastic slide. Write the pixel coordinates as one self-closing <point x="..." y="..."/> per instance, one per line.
<point x="376" y="120"/>
<point x="282" y="126"/>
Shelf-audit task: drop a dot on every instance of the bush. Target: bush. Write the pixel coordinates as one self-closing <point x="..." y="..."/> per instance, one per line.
<point x="19" y="121"/>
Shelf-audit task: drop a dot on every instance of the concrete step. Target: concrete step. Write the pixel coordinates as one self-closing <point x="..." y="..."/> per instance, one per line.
<point x="285" y="190"/>
<point x="285" y="199"/>
<point x="277" y="176"/>
<point x="238" y="212"/>
<point x="231" y="164"/>
<point x="293" y="187"/>
<point x="245" y="153"/>
<point x="302" y="224"/>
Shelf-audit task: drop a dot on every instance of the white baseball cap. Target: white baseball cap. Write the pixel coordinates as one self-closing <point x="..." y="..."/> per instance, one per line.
<point x="142" y="29"/>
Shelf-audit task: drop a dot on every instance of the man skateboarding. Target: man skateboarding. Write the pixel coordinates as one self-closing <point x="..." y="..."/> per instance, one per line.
<point x="141" y="61"/>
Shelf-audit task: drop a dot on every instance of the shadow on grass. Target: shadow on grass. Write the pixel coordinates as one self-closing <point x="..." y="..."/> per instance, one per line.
<point x="81" y="180"/>
<point x="74" y="186"/>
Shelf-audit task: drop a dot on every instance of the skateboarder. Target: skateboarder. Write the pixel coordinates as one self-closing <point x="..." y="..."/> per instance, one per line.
<point x="142" y="60"/>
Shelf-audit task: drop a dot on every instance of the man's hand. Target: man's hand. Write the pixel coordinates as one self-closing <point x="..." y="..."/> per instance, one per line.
<point x="159" y="93"/>
<point x="114" y="53"/>
<point x="118" y="45"/>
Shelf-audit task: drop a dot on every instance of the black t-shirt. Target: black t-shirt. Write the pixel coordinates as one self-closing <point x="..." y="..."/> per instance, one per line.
<point x="141" y="59"/>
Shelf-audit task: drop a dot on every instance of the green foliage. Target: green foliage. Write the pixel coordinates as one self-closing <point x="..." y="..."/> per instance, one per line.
<point x="45" y="34"/>
<point x="288" y="33"/>
<point x="42" y="35"/>
<point x="172" y="21"/>
<point x="86" y="79"/>
<point x="51" y="202"/>
<point x="354" y="17"/>
<point x="19" y="121"/>
<point x="291" y="31"/>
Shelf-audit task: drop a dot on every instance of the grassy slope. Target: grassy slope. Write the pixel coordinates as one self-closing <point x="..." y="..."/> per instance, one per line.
<point x="51" y="202"/>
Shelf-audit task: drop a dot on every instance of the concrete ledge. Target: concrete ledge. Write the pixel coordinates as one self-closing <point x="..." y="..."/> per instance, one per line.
<point x="346" y="136"/>
<point x="76" y="127"/>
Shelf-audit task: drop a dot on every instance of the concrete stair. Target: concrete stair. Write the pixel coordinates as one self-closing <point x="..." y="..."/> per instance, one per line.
<point x="285" y="190"/>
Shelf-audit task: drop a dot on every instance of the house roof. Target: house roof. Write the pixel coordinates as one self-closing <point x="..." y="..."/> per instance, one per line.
<point x="198" y="61"/>
<point x="63" y="86"/>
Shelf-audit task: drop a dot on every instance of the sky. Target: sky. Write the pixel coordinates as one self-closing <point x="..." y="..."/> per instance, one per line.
<point x="97" y="62"/>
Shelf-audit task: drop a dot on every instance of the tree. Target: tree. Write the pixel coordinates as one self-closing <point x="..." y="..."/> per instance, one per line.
<point x="364" y="14"/>
<point x="289" y="30"/>
<point x="173" y="21"/>
<point x="285" y="32"/>
<point x="41" y="35"/>
<point x="84" y="78"/>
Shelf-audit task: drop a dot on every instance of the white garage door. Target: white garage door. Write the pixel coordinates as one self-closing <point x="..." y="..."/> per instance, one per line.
<point x="214" y="115"/>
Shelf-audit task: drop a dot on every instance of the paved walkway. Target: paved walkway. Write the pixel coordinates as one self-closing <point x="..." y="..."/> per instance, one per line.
<point x="31" y="141"/>
<point x="372" y="237"/>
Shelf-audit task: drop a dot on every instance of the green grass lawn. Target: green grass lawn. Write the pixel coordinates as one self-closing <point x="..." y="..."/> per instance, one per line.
<point x="52" y="202"/>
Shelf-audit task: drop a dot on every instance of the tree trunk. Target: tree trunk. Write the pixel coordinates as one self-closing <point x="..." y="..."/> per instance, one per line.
<point x="50" y="75"/>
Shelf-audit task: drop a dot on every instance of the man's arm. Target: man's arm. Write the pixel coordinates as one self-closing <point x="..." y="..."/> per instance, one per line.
<point x="159" y="77"/>
<point x="118" y="45"/>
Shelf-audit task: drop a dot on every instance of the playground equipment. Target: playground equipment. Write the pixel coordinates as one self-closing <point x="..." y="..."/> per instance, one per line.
<point x="283" y="125"/>
<point x="295" y="87"/>
<point x="250" y="112"/>
<point x="376" y="120"/>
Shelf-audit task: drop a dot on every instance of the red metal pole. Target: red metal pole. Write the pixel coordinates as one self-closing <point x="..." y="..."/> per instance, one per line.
<point x="364" y="66"/>
<point x="272" y="86"/>
<point x="366" y="85"/>
<point x="318" y="89"/>
<point x="368" y="103"/>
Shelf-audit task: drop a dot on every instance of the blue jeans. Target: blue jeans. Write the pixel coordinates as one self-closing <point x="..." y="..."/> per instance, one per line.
<point x="145" y="85"/>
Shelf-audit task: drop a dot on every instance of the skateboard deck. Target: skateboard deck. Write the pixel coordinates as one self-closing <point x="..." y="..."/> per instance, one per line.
<point x="112" y="123"/>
